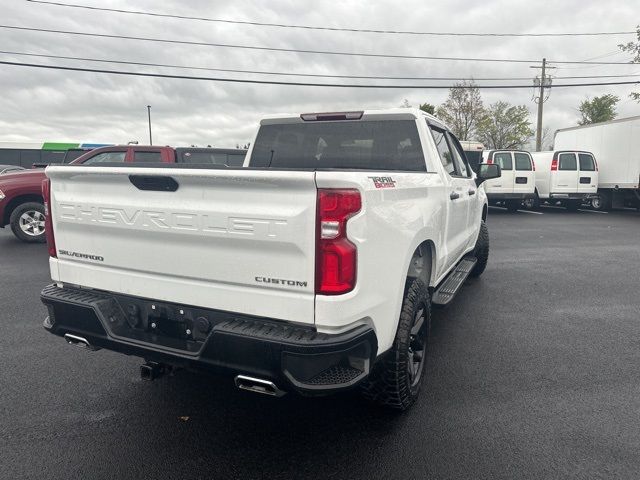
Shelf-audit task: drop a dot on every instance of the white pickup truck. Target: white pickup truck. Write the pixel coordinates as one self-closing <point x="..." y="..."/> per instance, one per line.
<point x="312" y="269"/>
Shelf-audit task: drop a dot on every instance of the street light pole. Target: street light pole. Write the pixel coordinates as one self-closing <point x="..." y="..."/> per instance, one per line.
<point x="149" y="115"/>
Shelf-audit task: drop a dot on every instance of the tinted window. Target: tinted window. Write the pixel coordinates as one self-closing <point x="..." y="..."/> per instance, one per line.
<point x="458" y="156"/>
<point x="204" y="158"/>
<point x="523" y="162"/>
<point x="362" y="145"/>
<point x="586" y="162"/>
<point x="105" y="157"/>
<point x="504" y="160"/>
<point x="235" y="160"/>
<point x="148" y="157"/>
<point x="443" y="150"/>
<point x="567" y="161"/>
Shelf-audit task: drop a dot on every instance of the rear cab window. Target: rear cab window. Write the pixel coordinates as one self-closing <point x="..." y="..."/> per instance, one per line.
<point x="204" y="158"/>
<point x="147" y="157"/>
<point x="106" y="157"/>
<point x="567" y="161"/>
<point x="523" y="161"/>
<point x="359" y="145"/>
<point x="587" y="163"/>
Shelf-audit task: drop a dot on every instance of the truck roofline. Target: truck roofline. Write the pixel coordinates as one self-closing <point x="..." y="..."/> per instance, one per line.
<point x="399" y="113"/>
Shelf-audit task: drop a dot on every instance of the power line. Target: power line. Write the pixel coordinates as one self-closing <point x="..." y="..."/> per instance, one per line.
<point x="302" y="84"/>
<point x="292" y="50"/>
<point x="331" y="29"/>
<point x="290" y="74"/>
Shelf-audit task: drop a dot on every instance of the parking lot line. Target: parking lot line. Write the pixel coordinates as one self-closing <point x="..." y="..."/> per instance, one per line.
<point x="531" y="211"/>
<point x="591" y="211"/>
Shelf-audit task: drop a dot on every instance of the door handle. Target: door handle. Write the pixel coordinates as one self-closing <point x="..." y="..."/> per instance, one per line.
<point x="472" y="191"/>
<point x="454" y="195"/>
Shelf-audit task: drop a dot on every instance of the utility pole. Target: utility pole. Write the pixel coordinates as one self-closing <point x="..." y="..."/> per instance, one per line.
<point x="543" y="82"/>
<point x="149" y="115"/>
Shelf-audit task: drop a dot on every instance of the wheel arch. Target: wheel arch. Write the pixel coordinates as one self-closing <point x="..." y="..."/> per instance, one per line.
<point x="422" y="263"/>
<point x="16" y="202"/>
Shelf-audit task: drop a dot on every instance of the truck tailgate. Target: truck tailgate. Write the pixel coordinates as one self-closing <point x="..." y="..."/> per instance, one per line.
<point x="234" y="240"/>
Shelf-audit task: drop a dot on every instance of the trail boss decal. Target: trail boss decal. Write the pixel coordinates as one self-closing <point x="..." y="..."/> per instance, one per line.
<point x="383" y="182"/>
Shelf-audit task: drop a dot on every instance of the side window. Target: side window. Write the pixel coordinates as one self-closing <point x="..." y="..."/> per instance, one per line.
<point x="504" y="160"/>
<point x="586" y="162"/>
<point x="458" y="156"/>
<point x="147" y="157"/>
<point x="105" y="157"/>
<point x="443" y="149"/>
<point x="234" y="160"/>
<point x="523" y="162"/>
<point x="567" y="161"/>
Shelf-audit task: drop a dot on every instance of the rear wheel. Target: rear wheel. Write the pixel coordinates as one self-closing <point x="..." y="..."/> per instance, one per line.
<point x="27" y="222"/>
<point x="529" y="203"/>
<point x="396" y="378"/>
<point x="481" y="250"/>
<point x="601" y="202"/>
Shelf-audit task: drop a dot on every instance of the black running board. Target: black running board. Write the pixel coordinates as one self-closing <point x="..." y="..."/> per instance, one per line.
<point x="450" y="285"/>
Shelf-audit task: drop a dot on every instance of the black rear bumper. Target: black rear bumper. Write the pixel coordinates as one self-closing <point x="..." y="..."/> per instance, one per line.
<point x="296" y="357"/>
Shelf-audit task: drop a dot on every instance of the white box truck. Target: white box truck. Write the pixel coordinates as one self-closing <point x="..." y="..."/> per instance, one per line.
<point x="616" y="146"/>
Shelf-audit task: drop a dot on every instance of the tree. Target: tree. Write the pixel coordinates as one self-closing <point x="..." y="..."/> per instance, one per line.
<point x="504" y="126"/>
<point x="600" y="109"/>
<point x="634" y="49"/>
<point x="547" y="139"/>
<point x="405" y="104"/>
<point x="427" y="107"/>
<point x="463" y="109"/>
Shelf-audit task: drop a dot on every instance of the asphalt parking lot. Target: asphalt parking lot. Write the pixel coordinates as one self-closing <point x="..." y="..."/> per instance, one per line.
<point x="532" y="373"/>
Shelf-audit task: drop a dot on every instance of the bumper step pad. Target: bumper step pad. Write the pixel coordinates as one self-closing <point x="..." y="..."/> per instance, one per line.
<point x="451" y="285"/>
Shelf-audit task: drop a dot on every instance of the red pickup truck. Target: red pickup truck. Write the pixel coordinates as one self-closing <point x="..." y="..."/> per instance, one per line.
<point x="21" y="203"/>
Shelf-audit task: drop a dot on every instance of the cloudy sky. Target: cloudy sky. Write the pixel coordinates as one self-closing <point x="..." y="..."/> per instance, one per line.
<point x="39" y="104"/>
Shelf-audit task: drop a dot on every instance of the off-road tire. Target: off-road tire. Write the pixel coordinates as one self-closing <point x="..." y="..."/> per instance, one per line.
<point x="390" y="383"/>
<point x="14" y="221"/>
<point x="481" y="250"/>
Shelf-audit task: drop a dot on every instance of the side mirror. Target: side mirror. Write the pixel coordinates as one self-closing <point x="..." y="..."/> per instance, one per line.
<point x="487" y="171"/>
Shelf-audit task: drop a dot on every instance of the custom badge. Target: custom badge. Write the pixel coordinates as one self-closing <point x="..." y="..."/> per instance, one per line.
<point x="383" y="182"/>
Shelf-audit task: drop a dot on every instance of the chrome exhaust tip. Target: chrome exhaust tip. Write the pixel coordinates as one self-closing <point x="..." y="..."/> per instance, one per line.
<point x="79" y="342"/>
<point x="258" y="385"/>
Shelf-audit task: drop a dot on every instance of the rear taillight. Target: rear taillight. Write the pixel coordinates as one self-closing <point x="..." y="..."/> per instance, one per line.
<point x="595" y="164"/>
<point x="533" y="165"/>
<point x="554" y="165"/>
<point x="489" y="160"/>
<point x="336" y="256"/>
<point x="48" y="222"/>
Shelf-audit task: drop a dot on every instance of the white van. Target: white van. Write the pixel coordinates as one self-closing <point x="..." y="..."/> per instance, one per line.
<point x="517" y="183"/>
<point x="569" y="176"/>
